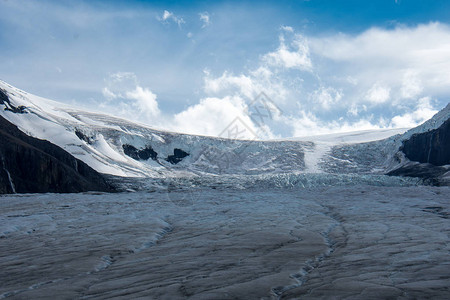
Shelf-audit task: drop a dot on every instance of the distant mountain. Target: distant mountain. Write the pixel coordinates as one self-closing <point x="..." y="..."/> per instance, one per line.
<point x="30" y="165"/>
<point x="114" y="146"/>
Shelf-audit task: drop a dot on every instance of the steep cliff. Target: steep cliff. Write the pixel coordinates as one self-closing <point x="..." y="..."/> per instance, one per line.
<point x="30" y="165"/>
<point x="430" y="147"/>
<point x="425" y="152"/>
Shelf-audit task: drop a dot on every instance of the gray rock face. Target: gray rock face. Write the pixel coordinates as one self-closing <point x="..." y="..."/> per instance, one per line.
<point x="30" y="165"/>
<point x="434" y="175"/>
<point x="8" y="106"/>
<point x="430" y="147"/>
<point x="139" y="154"/>
<point x="429" y="155"/>
<point x="177" y="156"/>
<point x="3" y="97"/>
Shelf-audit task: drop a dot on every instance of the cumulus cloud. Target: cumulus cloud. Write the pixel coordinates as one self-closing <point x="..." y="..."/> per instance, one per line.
<point x="145" y="100"/>
<point x="326" y="97"/>
<point x="168" y="16"/>
<point x="385" y="78"/>
<point x="378" y="94"/>
<point x="125" y="97"/>
<point x="423" y="111"/>
<point x="414" y="61"/>
<point x="205" y="18"/>
<point x="411" y="84"/>
<point x="380" y="78"/>
<point x="224" y="117"/>
<point x="228" y="83"/>
<point x="246" y="100"/>
<point x="290" y="55"/>
<point x="248" y="86"/>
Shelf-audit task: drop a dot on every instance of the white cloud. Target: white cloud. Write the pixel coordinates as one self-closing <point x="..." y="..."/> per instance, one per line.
<point x="326" y="97"/>
<point x="229" y="98"/>
<point x="293" y="55"/>
<point x="126" y="98"/>
<point x="378" y="94"/>
<point x="287" y="28"/>
<point x="145" y="101"/>
<point x="230" y="84"/>
<point x="108" y="94"/>
<point x="353" y="82"/>
<point x="411" y="84"/>
<point x="205" y="18"/>
<point x="355" y="109"/>
<point x="212" y="116"/>
<point x="355" y="78"/>
<point x="118" y="83"/>
<point x="307" y="124"/>
<point x="168" y="16"/>
<point x="423" y="111"/>
<point x="413" y="61"/>
<point x="247" y="86"/>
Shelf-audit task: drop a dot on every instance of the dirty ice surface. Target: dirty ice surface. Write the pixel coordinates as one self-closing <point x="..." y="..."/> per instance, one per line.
<point x="352" y="242"/>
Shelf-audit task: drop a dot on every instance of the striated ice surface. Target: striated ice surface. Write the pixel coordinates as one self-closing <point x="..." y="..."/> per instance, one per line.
<point x="257" y="240"/>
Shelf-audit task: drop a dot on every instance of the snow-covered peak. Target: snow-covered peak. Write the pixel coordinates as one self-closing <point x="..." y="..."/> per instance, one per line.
<point x="119" y="147"/>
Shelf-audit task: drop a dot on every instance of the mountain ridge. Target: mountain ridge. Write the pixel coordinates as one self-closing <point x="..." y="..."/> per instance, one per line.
<point x="30" y="165"/>
<point x="119" y="147"/>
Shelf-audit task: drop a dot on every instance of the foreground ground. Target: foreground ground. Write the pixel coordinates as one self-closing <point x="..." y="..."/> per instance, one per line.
<point x="360" y="242"/>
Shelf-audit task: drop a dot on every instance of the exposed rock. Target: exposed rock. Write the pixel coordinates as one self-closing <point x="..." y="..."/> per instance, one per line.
<point x="8" y="106"/>
<point x="177" y="156"/>
<point x="429" y="147"/>
<point x="139" y="154"/>
<point x="3" y="97"/>
<point x="17" y="110"/>
<point x="30" y="165"/>
<point x="429" y="173"/>
<point x="83" y="137"/>
<point x="428" y="155"/>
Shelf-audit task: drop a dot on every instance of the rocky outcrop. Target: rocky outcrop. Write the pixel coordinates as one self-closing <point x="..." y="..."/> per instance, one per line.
<point x="8" y="106"/>
<point x="30" y="165"/>
<point x="83" y="136"/>
<point x="139" y="154"/>
<point x="433" y="175"/>
<point x="431" y="147"/>
<point x="4" y="98"/>
<point x="428" y="156"/>
<point x="177" y="156"/>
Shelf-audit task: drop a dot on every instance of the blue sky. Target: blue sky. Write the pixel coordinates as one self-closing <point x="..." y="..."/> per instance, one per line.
<point x="325" y="66"/>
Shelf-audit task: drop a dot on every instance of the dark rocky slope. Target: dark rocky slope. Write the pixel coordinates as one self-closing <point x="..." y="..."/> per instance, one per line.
<point x="30" y="165"/>
<point x="428" y="154"/>
<point x="430" y="147"/>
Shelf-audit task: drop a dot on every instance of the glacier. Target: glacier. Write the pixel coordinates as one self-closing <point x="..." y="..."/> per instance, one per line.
<point x="224" y="242"/>
<point x="211" y="218"/>
<point x="99" y="140"/>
